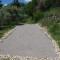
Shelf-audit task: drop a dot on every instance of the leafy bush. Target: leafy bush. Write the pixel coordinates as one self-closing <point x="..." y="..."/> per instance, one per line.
<point x="51" y="20"/>
<point x="38" y="15"/>
<point x="55" y="32"/>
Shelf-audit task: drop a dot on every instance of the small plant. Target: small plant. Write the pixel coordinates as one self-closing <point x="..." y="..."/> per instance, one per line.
<point x="5" y="58"/>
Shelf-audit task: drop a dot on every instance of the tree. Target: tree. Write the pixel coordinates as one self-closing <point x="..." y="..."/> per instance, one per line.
<point x="52" y="2"/>
<point x="1" y="4"/>
<point x="29" y="9"/>
<point x="34" y="3"/>
<point x="16" y="2"/>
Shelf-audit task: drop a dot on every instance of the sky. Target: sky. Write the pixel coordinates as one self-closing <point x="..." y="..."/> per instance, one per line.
<point x="9" y="1"/>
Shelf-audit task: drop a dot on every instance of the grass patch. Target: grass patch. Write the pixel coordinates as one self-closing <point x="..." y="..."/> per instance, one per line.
<point x="51" y="20"/>
<point x="5" y="59"/>
<point x="5" y="29"/>
<point x="55" y="32"/>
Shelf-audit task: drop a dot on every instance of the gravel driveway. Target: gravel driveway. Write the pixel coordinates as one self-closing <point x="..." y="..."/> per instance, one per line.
<point x="28" y="40"/>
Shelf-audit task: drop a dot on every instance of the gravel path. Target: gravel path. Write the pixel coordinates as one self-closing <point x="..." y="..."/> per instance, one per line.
<point x="28" y="40"/>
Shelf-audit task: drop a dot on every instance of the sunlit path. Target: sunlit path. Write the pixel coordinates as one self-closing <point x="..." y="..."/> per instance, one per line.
<point x="28" y="40"/>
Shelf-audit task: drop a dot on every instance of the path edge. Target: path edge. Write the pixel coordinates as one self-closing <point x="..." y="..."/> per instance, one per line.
<point x="7" y="34"/>
<point x="55" y="45"/>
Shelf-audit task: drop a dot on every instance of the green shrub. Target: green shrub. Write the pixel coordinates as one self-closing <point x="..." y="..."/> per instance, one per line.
<point x="55" y="32"/>
<point x="5" y="59"/>
<point x="38" y="15"/>
<point x="51" y="20"/>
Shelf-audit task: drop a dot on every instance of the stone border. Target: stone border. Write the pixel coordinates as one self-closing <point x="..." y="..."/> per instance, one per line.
<point x="22" y="58"/>
<point x="55" y="45"/>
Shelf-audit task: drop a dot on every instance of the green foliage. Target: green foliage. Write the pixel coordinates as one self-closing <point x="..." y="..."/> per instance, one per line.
<point x="16" y="3"/>
<point x="11" y="15"/>
<point x="38" y="15"/>
<point x="29" y="9"/>
<point x="52" y="3"/>
<point x="44" y="4"/>
<point x="1" y="4"/>
<point x="55" y="32"/>
<point x="34" y="3"/>
<point x="51" y="20"/>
